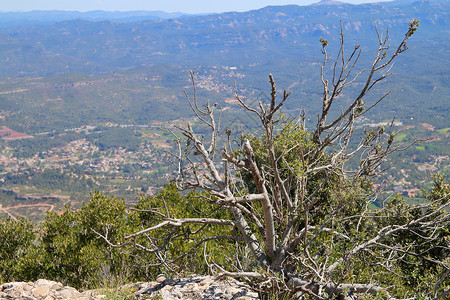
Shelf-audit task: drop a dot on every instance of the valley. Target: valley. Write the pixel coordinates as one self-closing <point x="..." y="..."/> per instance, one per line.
<point x="84" y="102"/>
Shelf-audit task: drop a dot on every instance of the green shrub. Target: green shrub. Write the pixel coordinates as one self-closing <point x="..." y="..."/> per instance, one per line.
<point x="16" y="243"/>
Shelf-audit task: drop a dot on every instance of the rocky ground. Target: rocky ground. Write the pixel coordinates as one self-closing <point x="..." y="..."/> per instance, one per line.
<point x="195" y="287"/>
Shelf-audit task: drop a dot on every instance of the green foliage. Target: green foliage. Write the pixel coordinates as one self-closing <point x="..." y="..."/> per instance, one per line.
<point x="415" y="272"/>
<point x="413" y="25"/>
<point x="75" y="254"/>
<point x="401" y="137"/>
<point x="184" y="243"/>
<point x="296" y="150"/>
<point x="115" y="137"/>
<point x="67" y="247"/>
<point x="52" y="179"/>
<point x="443" y="130"/>
<point x="16" y="242"/>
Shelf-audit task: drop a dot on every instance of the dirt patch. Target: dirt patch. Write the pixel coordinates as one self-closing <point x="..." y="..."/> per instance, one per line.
<point x="160" y="144"/>
<point x="427" y="126"/>
<point x="9" y="134"/>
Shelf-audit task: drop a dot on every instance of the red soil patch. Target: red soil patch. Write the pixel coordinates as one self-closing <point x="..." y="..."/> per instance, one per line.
<point x="9" y="134"/>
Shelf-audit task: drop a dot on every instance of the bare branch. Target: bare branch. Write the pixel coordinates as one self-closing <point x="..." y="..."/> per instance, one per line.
<point x="180" y="222"/>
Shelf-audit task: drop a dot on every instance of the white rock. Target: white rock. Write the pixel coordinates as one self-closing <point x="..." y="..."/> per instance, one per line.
<point x="161" y="278"/>
<point x="41" y="282"/>
<point x="195" y="287"/>
<point x="41" y="291"/>
<point x="68" y="292"/>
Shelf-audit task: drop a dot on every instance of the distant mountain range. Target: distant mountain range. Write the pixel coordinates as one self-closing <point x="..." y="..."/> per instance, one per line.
<point x="95" y="42"/>
<point x="283" y="40"/>
<point x="12" y="19"/>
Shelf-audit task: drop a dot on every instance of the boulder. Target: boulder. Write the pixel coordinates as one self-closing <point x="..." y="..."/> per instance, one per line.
<point x="192" y="288"/>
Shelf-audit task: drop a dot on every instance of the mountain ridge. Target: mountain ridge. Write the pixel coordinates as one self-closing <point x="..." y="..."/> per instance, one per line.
<point x="217" y="38"/>
<point x="20" y="18"/>
<point x="271" y="39"/>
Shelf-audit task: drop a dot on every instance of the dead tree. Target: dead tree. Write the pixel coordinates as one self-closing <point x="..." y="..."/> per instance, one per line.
<point x="293" y="202"/>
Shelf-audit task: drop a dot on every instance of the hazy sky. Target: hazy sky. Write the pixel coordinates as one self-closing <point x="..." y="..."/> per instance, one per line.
<point x="186" y="6"/>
